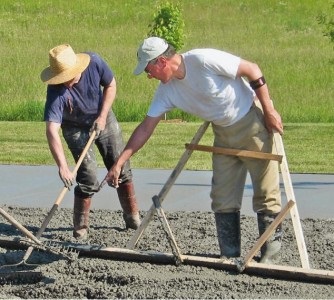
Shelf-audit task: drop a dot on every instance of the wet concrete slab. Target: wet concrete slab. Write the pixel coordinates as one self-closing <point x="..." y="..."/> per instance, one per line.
<point x="40" y="186"/>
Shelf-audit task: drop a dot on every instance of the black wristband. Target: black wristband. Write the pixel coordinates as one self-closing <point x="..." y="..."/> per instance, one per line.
<point x="255" y="84"/>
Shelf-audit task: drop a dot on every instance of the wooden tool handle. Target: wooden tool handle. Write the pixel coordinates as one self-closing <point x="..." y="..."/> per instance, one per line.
<point x="235" y="152"/>
<point x="60" y="197"/>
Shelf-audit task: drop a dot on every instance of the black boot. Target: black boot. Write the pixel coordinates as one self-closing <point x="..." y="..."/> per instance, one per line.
<point x="80" y="217"/>
<point x="127" y="199"/>
<point x="272" y="247"/>
<point x="228" y="231"/>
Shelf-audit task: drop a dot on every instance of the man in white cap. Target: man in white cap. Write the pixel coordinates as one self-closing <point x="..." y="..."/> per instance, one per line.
<point x="81" y="90"/>
<point x="212" y="84"/>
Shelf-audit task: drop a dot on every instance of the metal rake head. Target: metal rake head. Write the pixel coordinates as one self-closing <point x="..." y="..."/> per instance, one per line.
<point x="23" y="272"/>
<point x="18" y="273"/>
<point x="53" y="247"/>
<point x="59" y="248"/>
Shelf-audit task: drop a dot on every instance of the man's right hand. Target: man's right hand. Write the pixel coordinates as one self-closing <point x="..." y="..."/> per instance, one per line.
<point x="113" y="176"/>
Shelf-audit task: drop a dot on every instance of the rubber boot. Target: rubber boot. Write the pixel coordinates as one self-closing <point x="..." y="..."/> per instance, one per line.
<point x="80" y="217"/>
<point x="127" y="199"/>
<point x="228" y="231"/>
<point x="271" y="248"/>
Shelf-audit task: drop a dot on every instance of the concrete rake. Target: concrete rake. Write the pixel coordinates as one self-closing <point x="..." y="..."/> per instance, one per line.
<point x="33" y="241"/>
<point x="7" y="271"/>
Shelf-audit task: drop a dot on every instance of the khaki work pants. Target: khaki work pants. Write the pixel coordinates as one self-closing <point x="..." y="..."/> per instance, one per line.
<point x="229" y="172"/>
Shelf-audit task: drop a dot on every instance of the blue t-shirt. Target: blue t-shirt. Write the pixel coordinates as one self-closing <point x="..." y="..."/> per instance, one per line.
<point x="81" y="104"/>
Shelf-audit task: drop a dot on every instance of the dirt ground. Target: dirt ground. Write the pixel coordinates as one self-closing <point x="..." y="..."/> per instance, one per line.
<point x="195" y="234"/>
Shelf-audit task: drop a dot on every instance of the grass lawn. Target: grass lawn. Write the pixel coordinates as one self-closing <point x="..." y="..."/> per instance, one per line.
<point x="308" y="146"/>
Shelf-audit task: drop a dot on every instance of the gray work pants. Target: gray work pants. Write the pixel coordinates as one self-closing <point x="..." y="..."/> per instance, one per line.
<point x="109" y="143"/>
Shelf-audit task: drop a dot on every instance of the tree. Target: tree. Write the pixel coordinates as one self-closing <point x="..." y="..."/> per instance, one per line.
<point x="168" y="24"/>
<point x="328" y="23"/>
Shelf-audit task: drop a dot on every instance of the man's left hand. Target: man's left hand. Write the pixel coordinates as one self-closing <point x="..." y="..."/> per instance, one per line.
<point x="273" y="121"/>
<point x="98" y="126"/>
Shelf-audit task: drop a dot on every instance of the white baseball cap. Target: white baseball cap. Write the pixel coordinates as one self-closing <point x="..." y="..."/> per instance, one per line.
<point x="150" y="49"/>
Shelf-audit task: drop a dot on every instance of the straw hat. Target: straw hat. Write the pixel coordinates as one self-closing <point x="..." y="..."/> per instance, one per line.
<point x="64" y="65"/>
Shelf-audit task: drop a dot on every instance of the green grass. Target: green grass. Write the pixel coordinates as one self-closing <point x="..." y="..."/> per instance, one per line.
<point x="308" y="147"/>
<point x="283" y="37"/>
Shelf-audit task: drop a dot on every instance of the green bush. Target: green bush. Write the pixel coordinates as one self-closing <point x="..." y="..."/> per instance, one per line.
<point x="328" y="23"/>
<point x="169" y="25"/>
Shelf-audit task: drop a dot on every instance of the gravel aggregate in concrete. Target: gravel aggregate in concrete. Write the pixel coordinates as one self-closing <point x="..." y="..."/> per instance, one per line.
<point x="195" y="233"/>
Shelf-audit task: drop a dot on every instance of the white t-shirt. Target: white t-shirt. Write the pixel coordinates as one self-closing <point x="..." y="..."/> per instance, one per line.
<point x="210" y="89"/>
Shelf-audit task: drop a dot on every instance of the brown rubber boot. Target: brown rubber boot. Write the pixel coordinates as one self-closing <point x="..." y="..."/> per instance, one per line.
<point x="80" y="217"/>
<point x="127" y="199"/>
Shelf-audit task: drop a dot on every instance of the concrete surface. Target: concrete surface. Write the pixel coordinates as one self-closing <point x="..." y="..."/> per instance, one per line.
<point x="40" y="186"/>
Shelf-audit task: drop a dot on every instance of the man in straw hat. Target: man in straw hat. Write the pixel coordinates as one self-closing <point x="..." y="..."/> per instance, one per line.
<point x="211" y="84"/>
<point x="81" y="90"/>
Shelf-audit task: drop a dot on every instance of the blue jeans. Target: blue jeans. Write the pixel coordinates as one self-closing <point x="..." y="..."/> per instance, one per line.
<point x="110" y="145"/>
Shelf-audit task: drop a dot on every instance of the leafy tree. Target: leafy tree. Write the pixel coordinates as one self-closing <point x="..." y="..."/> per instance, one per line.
<point x="169" y="25"/>
<point x="328" y="23"/>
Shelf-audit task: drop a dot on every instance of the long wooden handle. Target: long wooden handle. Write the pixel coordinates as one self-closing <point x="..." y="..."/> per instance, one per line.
<point x="161" y="214"/>
<point x="65" y="189"/>
<point x="19" y="226"/>
<point x="235" y="152"/>
<point x="60" y="197"/>
<point x="264" y="237"/>
<point x="291" y="196"/>
<point x="168" y="185"/>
